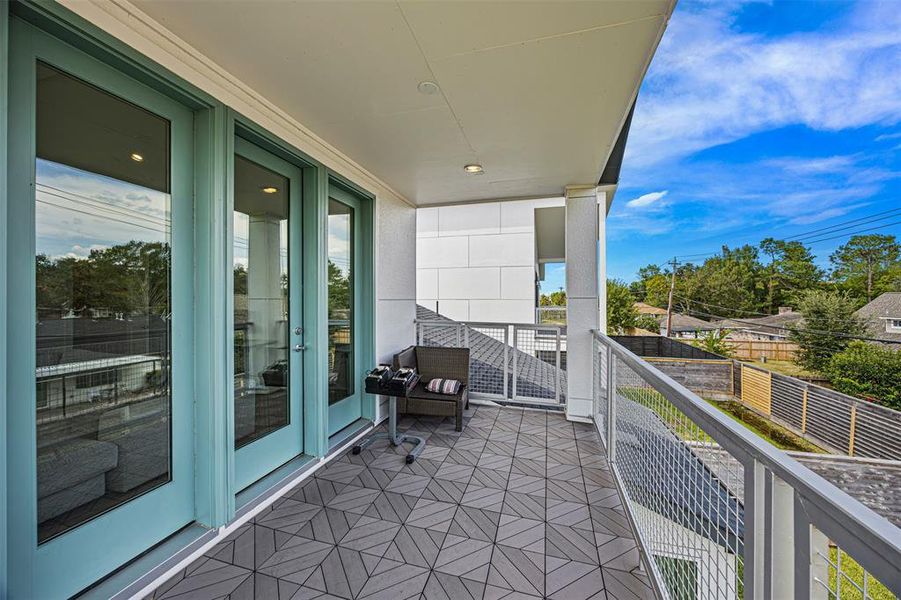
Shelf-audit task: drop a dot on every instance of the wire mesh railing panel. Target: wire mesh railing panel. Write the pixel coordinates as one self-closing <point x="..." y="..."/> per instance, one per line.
<point x="721" y="513"/>
<point x="837" y="576"/>
<point x="520" y="363"/>
<point x="489" y="357"/>
<point x="537" y="364"/>
<point x="684" y="491"/>
<point x="599" y="384"/>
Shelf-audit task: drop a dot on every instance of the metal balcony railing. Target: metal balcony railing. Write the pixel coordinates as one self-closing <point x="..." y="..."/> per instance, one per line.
<point x="719" y="512"/>
<point x="520" y="363"/>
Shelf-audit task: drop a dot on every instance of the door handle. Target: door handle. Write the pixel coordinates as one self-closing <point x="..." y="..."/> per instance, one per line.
<point x="299" y="347"/>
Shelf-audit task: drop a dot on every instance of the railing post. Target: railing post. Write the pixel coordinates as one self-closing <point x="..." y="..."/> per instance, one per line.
<point x="506" y="358"/>
<point x="557" y="371"/>
<point x="803" y="552"/>
<point x="782" y="543"/>
<point x="755" y="530"/>
<point x="611" y="406"/>
<point x="515" y="362"/>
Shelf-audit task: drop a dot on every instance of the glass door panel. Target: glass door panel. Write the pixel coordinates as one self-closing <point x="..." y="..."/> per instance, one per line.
<point x="102" y="178"/>
<point x="103" y="302"/>
<point x="345" y="397"/>
<point x="267" y="326"/>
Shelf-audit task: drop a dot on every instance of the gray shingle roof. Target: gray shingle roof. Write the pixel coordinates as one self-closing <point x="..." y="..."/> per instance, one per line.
<point x="887" y="305"/>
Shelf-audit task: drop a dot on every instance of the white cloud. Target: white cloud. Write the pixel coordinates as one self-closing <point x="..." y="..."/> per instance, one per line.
<point x="647" y="199"/>
<point x="712" y="84"/>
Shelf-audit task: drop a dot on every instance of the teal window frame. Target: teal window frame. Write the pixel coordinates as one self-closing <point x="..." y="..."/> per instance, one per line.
<point x="215" y="127"/>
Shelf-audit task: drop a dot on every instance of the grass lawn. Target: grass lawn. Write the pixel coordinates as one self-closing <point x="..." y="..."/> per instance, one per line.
<point x="785" y="367"/>
<point x="854" y="572"/>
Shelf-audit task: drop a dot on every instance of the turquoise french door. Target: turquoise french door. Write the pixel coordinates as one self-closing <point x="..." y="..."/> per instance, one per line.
<point x="101" y="225"/>
<point x="345" y="396"/>
<point x="268" y="329"/>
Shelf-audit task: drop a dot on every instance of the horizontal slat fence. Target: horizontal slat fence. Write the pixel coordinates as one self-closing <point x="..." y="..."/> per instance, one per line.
<point x="836" y="421"/>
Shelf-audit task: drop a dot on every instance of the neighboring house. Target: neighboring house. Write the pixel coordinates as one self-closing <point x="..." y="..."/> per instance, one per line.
<point x="647" y="309"/>
<point x="686" y="326"/>
<point x="483" y="262"/>
<point x="771" y="327"/>
<point x="883" y="317"/>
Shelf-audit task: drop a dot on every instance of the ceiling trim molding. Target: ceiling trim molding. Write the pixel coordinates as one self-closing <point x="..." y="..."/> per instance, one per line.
<point x="129" y="24"/>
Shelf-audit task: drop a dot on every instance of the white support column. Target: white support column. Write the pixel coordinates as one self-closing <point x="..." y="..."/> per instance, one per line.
<point x="586" y="276"/>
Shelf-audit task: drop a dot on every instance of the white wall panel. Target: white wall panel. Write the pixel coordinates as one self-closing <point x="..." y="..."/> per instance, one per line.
<point x="518" y="283"/>
<point x="469" y="283"/>
<point x="502" y="311"/>
<point x="457" y="310"/>
<point x="426" y="283"/>
<point x="504" y="250"/>
<point x="517" y="217"/>
<point x="470" y="219"/>
<point x="442" y="252"/>
<point x="427" y="222"/>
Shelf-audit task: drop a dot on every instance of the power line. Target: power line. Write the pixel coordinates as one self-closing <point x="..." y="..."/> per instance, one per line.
<point x="817" y="233"/>
<point x="872" y="218"/>
<point x="853" y="233"/>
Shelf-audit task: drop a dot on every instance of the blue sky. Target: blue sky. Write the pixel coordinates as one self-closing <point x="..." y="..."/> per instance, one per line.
<point x="760" y="119"/>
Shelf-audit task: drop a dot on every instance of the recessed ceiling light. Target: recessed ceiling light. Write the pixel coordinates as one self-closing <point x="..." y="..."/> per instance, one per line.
<point x="137" y="157"/>
<point x="428" y="88"/>
<point x="269" y="189"/>
<point x="473" y="169"/>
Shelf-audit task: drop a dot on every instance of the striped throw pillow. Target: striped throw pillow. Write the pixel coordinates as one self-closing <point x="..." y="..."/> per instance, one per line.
<point x="444" y="386"/>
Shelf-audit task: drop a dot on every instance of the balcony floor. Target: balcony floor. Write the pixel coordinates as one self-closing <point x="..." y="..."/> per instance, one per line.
<point x="521" y="504"/>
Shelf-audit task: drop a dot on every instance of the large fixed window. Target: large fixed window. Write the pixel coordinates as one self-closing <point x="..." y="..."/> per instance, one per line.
<point x="103" y="270"/>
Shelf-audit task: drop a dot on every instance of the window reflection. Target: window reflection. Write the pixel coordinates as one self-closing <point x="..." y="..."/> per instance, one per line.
<point x="261" y="301"/>
<point x="103" y="263"/>
<point x="340" y="301"/>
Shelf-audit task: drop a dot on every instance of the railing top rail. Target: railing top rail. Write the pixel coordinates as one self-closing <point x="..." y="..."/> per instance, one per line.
<point x="872" y="539"/>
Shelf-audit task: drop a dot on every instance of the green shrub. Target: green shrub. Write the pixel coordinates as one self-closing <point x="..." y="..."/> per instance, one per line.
<point x="867" y="371"/>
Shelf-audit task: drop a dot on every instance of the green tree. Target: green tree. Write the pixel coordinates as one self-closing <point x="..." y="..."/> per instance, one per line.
<point x="790" y="270"/>
<point x="648" y="323"/>
<point x="621" y="312"/>
<point x="828" y="321"/>
<point x="727" y="285"/>
<point x="867" y="371"/>
<point x="863" y="260"/>
<point x="338" y="292"/>
<point x="557" y="298"/>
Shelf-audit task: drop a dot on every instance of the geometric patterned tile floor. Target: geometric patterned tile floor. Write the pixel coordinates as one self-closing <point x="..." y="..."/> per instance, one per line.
<point x="519" y="505"/>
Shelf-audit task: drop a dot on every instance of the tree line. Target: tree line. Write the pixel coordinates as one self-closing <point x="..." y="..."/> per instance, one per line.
<point x="755" y="280"/>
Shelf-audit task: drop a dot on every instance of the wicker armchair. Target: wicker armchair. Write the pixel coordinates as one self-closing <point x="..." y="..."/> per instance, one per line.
<point x="432" y="362"/>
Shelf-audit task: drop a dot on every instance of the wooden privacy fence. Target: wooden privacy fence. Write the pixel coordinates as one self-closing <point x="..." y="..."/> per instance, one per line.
<point x="755" y="349"/>
<point x="706" y="377"/>
<point x="826" y="417"/>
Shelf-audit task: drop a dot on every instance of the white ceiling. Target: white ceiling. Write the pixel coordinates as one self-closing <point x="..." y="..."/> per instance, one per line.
<point x="536" y="92"/>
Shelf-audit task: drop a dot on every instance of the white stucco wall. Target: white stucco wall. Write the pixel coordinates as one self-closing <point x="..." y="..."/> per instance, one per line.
<point x="476" y="262"/>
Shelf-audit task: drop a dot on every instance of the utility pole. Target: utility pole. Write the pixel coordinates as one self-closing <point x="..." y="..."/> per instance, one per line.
<point x="669" y="304"/>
